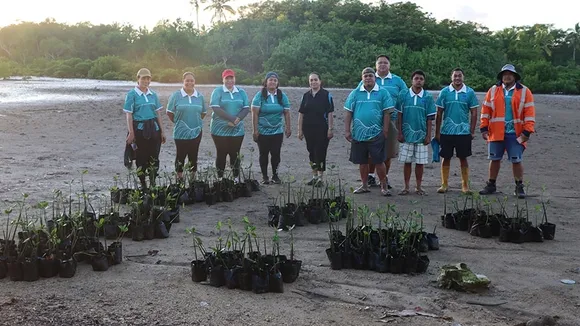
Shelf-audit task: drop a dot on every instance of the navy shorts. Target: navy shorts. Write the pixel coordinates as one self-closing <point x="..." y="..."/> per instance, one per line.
<point x="509" y="144"/>
<point x="360" y="151"/>
<point x="460" y="144"/>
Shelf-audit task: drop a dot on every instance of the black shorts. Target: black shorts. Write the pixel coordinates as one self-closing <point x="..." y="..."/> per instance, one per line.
<point x="360" y="151"/>
<point x="461" y="144"/>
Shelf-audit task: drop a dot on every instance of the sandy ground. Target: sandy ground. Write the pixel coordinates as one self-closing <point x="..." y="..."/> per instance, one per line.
<point x="45" y="145"/>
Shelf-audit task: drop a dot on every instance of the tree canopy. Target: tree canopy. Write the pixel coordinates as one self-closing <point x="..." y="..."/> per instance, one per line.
<point x="336" y="38"/>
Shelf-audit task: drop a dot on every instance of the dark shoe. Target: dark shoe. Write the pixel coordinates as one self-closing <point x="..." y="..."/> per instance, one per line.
<point x="276" y="180"/>
<point x="372" y="182"/>
<point x="520" y="192"/>
<point x="311" y="182"/>
<point x="489" y="189"/>
<point x="265" y="180"/>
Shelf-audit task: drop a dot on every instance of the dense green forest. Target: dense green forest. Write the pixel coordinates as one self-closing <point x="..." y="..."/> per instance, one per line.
<point x="336" y="38"/>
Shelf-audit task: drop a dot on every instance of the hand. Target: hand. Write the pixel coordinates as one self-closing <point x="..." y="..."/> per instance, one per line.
<point x="437" y="137"/>
<point x="523" y="138"/>
<point x="288" y="132"/>
<point x="300" y="135"/>
<point x="473" y="135"/>
<point x="163" y="139"/>
<point x="427" y="141"/>
<point x="485" y="135"/>
<point x="385" y="133"/>
<point x="130" y="138"/>
<point x="237" y="121"/>
<point x="401" y="138"/>
<point x="255" y="135"/>
<point x="330" y="134"/>
<point x="348" y="136"/>
<point x="231" y="124"/>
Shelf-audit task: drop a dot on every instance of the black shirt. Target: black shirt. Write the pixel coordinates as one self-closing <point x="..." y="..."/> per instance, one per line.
<point x="316" y="108"/>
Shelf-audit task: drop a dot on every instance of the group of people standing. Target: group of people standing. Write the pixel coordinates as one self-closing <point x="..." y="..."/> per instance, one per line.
<point x="384" y="120"/>
<point x="187" y="108"/>
<point x="382" y="110"/>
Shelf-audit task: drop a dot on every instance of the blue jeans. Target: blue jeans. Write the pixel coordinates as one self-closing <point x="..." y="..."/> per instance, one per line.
<point x="510" y="145"/>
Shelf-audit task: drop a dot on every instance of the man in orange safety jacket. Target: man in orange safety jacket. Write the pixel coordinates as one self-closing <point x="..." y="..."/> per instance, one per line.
<point x="507" y="121"/>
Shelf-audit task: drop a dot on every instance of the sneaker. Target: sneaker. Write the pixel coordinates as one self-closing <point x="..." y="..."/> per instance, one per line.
<point x="276" y="180"/>
<point x="265" y="180"/>
<point x="312" y="181"/>
<point x="372" y="181"/>
<point x="489" y="189"/>
<point x="520" y="192"/>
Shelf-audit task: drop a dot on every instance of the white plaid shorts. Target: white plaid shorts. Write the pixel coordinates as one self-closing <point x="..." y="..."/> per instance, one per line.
<point x="414" y="153"/>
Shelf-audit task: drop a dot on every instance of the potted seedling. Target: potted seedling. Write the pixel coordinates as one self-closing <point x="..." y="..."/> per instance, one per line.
<point x="548" y="229"/>
<point x="275" y="282"/>
<point x="198" y="266"/>
<point x="115" y="249"/>
<point x="274" y="213"/>
<point x="334" y="253"/>
<point x="291" y="267"/>
<point x="99" y="259"/>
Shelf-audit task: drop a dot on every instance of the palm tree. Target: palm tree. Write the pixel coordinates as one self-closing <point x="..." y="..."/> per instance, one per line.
<point x="219" y="8"/>
<point x="196" y="4"/>
<point x="574" y="38"/>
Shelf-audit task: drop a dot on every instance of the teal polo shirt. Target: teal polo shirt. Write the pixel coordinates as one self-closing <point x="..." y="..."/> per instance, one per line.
<point x="271" y="116"/>
<point x="509" y="113"/>
<point x="187" y="111"/>
<point x="416" y="109"/>
<point x="367" y="111"/>
<point x="456" y="107"/>
<point x="393" y="84"/>
<point x="231" y="102"/>
<point x="143" y="106"/>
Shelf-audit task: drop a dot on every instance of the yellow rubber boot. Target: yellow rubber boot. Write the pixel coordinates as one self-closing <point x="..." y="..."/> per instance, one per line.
<point x="444" y="179"/>
<point x="465" y="180"/>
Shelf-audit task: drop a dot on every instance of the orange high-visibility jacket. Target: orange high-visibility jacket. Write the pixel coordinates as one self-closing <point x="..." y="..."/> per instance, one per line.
<point x="493" y="112"/>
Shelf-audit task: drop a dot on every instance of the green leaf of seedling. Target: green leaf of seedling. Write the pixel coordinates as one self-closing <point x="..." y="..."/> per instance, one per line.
<point x="8" y="211"/>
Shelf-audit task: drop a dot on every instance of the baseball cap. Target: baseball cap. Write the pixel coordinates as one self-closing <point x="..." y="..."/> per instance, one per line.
<point x="228" y="73"/>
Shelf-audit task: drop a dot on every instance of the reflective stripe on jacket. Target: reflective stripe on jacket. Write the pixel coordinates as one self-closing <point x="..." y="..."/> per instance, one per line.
<point x="493" y="112"/>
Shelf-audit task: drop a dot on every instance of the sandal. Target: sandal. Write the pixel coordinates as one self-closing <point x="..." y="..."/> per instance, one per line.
<point x="361" y="190"/>
<point x="386" y="192"/>
<point x="420" y="192"/>
<point x="404" y="192"/>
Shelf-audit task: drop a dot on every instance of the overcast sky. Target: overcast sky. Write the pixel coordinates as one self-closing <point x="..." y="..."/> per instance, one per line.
<point x="495" y="14"/>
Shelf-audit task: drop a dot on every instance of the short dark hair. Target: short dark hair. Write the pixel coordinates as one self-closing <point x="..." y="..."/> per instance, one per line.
<point x="383" y="56"/>
<point x="458" y="69"/>
<point x="418" y="72"/>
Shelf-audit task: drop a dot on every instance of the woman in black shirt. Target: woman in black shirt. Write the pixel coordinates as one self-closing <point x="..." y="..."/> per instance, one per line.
<point x="315" y="121"/>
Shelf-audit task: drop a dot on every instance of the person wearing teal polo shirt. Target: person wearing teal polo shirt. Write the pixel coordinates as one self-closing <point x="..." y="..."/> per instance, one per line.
<point x="368" y="118"/>
<point x="230" y="106"/>
<point x="416" y="110"/>
<point x="455" y="127"/>
<point x="145" y="126"/>
<point x="394" y="85"/>
<point x="186" y="109"/>
<point x="270" y="120"/>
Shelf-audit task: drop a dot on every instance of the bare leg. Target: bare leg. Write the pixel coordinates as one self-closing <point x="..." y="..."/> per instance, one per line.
<point x="419" y="175"/>
<point x="364" y="174"/>
<point x="518" y="169"/>
<point x="407" y="175"/>
<point x="382" y="174"/>
<point x="494" y="167"/>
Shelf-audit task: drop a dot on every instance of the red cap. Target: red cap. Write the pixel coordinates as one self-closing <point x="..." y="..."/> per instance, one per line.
<point x="228" y="73"/>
